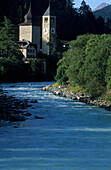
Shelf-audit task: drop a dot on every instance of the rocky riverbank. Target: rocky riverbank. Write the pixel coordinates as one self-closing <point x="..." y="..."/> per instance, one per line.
<point x="65" y="92"/>
<point x="12" y="109"/>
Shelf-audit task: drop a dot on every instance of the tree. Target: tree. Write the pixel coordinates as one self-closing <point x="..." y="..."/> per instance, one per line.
<point x="87" y="21"/>
<point x="7" y="37"/>
<point x="56" y="48"/>
<point x="84" y="9"/>
<point x="87" y="64"/>
<point x="11" y="64"/>
<point x="75" y="71"/>
<point x="108" y="26"/>
<point x="20" y="15"/>
<point x="100" y="25"/>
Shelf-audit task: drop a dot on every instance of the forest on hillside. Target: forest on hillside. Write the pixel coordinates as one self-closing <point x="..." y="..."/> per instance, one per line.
<point x="70" y="20"/>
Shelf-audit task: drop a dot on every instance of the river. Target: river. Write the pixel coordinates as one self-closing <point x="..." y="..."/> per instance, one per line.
<point x="72" y="135"/>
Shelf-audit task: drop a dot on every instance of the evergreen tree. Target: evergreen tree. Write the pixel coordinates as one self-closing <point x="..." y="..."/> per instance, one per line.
<point x="108" y="26"/>
<point x="87" y="21"/>
<point x="100" y="25"/>
<point x="7" y="37"/>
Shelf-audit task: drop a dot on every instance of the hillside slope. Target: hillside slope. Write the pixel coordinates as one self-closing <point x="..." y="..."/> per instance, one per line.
<point x="102" y="5"/>
<point x="105" y="13"/>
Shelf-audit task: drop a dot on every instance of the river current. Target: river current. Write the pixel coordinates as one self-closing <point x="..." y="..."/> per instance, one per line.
<point x="72" y="135"/>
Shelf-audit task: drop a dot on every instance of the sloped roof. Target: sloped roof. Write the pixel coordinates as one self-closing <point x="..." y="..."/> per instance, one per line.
<point x="28" y="16"/>
<point x="49" y="11"/>
<point x="25" y="44"/>
<point x="38" y="8"/>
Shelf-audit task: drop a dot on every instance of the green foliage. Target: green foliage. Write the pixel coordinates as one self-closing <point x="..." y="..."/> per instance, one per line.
<point x="107" y="96"/>
<point x="14" y="10"/>
<point x="56" y="48"/>
<point x="75" y="70"/>
<point x="10" y="69"/>
<point x="71" y="22"/>
<point x="36" y="66"/>
<point x="7" y="39"/>
<point x="10" y="57"/>
<point x="76" y="90"/>
<point x="88" y="63"/>
<point x="95" y="63"/>
<point x="108" y="26"/>
<point x="61" y="75"/>
<point x="108" y="74"/>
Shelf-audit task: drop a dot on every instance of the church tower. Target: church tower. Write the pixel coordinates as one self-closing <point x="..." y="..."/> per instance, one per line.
<point x="48" y="28"/>
<point x="39" y="24"/>
<point x="29" y="30"/>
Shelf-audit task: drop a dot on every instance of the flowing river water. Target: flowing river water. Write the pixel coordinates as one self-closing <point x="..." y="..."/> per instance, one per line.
<point x="72" y="135"/>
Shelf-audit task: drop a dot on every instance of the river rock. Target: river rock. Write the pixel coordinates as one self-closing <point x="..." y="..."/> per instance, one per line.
<point x="15" y="118"/>
<point x="26" y="114"/>
<point x="33" y="101"/>
<point x="37" y="117"/>
<point x="64" y="92"/>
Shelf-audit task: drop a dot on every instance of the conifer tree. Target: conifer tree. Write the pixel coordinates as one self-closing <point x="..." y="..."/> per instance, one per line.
<point x="7" y="37"/>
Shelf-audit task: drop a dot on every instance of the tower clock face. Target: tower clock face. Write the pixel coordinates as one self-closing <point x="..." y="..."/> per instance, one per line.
<point x="52" y="30"/>
<point x="45" y="30"/>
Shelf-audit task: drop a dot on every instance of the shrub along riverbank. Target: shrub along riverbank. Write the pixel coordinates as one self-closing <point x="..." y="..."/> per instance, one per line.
<point x="87" y="65"/>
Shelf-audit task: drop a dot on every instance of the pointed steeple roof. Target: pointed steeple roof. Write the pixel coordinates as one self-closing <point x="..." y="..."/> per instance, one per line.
<point x="28" y="17"/>
<point x="49" y="11"/>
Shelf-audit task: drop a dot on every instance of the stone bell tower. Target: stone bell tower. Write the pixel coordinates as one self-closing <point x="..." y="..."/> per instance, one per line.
<point x="48" y="28"/>
<point x="29" y="30"/>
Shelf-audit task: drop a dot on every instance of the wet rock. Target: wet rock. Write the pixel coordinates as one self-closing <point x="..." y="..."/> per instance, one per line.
<point x="64" y="92"/>
<point x="26" y="114"/>
<point x="37" y="117"/>
<point x="57" y="92"/>
<point x="16" y="118"/>
<point x="12" y="86"/>
<point x="15" y="126"/>
<point x="11" y="108"/>
<point x="33" y="101"/>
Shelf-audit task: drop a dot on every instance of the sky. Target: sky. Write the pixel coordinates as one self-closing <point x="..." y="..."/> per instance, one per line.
<point x="92" y="3"/>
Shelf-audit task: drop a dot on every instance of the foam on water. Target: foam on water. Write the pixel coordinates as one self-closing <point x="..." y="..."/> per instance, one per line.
<point x="72" y="135"/>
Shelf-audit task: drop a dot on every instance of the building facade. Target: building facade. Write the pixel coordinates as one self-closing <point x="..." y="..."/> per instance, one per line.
<point x="38" y="27"/>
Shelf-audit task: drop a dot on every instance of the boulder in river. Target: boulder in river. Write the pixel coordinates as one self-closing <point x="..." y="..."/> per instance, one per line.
<point x="37" y="117"/>
<point x="16" y="118"/>
<point x="33" y="101"/>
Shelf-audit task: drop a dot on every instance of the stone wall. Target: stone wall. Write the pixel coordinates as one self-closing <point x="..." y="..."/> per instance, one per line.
<point x="45" y="34"/>
<point x="25" y="32"/>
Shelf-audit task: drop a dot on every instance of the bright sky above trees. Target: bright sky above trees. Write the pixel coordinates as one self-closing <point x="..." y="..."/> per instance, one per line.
<point x="92" y="3"/>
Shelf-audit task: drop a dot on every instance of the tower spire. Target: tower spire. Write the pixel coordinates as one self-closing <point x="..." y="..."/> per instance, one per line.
<point x="28" y="16"/>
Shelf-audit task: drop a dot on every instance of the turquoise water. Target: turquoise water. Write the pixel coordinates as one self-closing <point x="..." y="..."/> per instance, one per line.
<point x="72" y="135"/>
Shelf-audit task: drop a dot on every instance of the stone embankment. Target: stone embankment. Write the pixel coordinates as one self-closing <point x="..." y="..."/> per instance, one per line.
<point x="64" y="92"/>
